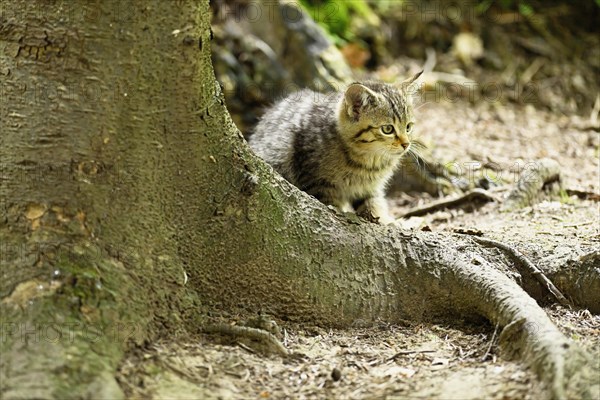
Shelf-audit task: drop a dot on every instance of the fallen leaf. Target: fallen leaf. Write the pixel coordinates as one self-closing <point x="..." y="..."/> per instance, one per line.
<point x="35" y="211"/>
<point x="355" y="55"/>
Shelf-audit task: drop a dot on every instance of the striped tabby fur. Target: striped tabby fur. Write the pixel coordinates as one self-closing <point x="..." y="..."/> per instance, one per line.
<point x="343" y="147"/>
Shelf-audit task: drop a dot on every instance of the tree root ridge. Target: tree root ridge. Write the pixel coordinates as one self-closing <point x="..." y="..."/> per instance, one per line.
<point x="527" y="332"/>
<point x="531" y="182"/>
<point x="531" y="268"/>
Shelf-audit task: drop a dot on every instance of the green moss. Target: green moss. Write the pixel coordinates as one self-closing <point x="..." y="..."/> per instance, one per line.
<point x="76" y="351"/>
<point x="91" y="279"/>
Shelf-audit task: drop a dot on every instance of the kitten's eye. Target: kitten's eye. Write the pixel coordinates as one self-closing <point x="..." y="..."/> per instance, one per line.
<point x="409" y="127"/>
<point x="387" y="129"/>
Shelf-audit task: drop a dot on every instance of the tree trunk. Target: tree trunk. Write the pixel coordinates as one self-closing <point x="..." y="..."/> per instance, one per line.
<point x="132" y="206"/>
<point x="100" y="126"/>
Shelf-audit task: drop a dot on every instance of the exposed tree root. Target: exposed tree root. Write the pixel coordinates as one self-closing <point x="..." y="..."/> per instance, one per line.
<point x="346" y="273"/>
<point x="524" y="192"/>
<point x="452" y="202"/>
<point x="527" y="332"/>
<point x="531" y="182"/>
<point x="580" y="280"/>
<point x="517" y="256"/>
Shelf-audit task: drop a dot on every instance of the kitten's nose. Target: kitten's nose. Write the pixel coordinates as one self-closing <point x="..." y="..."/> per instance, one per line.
<point x="404" y="140"/>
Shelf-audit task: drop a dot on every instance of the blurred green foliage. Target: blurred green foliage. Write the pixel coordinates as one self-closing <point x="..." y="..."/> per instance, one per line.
<point x="522" y="6"/>
<point x="335" y="16"/>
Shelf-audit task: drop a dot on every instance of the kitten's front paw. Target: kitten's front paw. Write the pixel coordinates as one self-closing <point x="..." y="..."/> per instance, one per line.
<point x="375" y="210"/>
<point x="369" y="215"/>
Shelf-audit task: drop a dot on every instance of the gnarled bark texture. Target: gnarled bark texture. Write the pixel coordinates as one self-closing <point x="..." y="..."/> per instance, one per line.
<point x="131" y="206"/>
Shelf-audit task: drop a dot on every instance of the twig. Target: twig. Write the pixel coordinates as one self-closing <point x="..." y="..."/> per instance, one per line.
<point x="250" y="333"/>
<point x="487" y="353"/>
<point x="579" y="224"/>
<point x="405" y="352"/>
<point x="450" y="203"/>
<point x="524" y="261"/>
<point x="583" y="194"/>
<point x="247" y="348"/>
<point x="528" y="74"/>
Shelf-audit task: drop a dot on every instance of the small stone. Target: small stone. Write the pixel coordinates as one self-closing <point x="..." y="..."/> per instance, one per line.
<point x="336" y="374"/>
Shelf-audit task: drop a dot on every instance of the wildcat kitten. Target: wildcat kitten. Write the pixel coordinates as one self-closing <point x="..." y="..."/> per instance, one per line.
<point x="341" y="148"/>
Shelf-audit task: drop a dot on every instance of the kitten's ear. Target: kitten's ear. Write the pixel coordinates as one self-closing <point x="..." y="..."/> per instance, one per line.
<point x="410" y="85"/>
<point x="358" y="98"/>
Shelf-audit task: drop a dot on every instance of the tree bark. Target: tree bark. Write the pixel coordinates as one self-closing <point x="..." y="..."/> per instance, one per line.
<point x="132" y="206"/>
<point x="94" y="97"/>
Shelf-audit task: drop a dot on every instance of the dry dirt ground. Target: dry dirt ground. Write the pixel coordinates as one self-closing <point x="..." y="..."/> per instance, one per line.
<point x="383" y="362"/>
<point x="421" y="361"/>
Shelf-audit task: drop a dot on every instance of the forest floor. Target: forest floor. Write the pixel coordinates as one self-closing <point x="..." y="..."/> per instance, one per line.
<point x="411" y="360"/>
<point x="383" y="362"/>
<point x="501" y="144"/>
